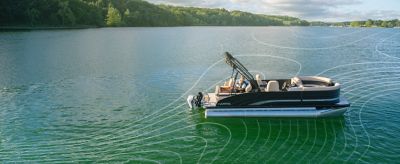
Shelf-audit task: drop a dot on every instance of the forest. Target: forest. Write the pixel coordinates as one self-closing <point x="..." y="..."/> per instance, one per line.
<point x="131" y="13"/>
<point x="139" y="13"/>
<point x="368" y="23"/>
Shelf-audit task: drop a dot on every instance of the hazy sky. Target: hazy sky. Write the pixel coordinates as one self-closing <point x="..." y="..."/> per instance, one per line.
<point x="325" y="10"/>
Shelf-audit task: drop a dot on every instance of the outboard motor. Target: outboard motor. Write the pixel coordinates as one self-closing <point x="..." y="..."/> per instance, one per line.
<point x="195" y="101"/>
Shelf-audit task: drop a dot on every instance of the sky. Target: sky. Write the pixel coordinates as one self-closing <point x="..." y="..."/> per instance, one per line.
<point x="312" y="10"/>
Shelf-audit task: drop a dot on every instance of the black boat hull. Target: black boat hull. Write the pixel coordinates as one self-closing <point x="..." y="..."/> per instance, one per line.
<point x="281" y="99"/>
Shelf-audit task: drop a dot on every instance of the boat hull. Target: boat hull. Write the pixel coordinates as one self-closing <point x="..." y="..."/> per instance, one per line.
<point x="301" y="112"/>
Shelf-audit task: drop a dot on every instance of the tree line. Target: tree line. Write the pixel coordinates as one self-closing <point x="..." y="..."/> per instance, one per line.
<point x="376" y="23"/>
<point x="131" y="13"/>
<point x="368" y="23"/>
<point x="100" y="13"/>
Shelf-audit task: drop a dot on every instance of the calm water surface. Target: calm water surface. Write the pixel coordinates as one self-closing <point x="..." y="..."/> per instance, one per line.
<point x="118" y="95"/>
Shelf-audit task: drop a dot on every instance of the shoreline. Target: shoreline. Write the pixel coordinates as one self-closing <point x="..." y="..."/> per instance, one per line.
<point x="29" y="28"/>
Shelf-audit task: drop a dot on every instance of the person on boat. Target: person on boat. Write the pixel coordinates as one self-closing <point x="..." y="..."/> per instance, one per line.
<point x="241" y="84"/>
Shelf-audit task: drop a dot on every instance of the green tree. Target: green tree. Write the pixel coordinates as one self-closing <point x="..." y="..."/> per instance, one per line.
<point x="390" y="24"/>
<point x="355" y="24"/>
<point x="127" y="13"/>
<point x="33" y="15"/>
<point x="377" y="23"/>
<point x="113" y="16"/>
<point x="65" y="13"/>
<point x="384" y="24"/>
<point x="369" y="23"/>
<point x="125" y="18"/>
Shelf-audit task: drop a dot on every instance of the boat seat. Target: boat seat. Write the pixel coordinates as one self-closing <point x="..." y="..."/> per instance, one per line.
<point x="260" y="83"/>
<point x="296" y="81"/>
<point x="272" y="86"/>
<point x="217" y="90"/>
<point x="258" y="79"/>
<point x="241" y="80"/>
<point x="248" y="88"/>
<point x="230" y="82"/>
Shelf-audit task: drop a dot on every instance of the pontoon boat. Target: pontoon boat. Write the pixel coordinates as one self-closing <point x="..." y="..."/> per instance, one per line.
<point x="246" y="96"/>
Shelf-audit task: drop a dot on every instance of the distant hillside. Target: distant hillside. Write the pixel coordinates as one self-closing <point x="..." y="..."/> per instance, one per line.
<point x="70" y="13"/>
<point x="367" y="23"/>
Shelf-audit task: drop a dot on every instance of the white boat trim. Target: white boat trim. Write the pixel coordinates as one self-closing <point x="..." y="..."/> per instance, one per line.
<point x="265" y="109"/>
<point x="310" y="100"/>
<point x="304" y="100"/>
<point x="272" y="101"/>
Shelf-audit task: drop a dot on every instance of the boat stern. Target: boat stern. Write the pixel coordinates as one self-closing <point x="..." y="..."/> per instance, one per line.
<point x="195" y="102"/>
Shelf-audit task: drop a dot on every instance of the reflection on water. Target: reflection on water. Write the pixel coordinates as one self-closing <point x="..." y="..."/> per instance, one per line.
<point x="291" y="138"/>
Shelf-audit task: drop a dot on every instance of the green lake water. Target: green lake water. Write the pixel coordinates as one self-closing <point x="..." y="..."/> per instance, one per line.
<point x="118" y="95"/>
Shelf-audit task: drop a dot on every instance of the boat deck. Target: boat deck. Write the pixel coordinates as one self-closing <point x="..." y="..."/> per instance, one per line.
<point x="212" y="100"/>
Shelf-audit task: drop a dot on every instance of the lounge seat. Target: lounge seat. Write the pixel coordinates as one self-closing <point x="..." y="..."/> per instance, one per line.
<point x="272" y="86"/>
<point x="260" y="83"/>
